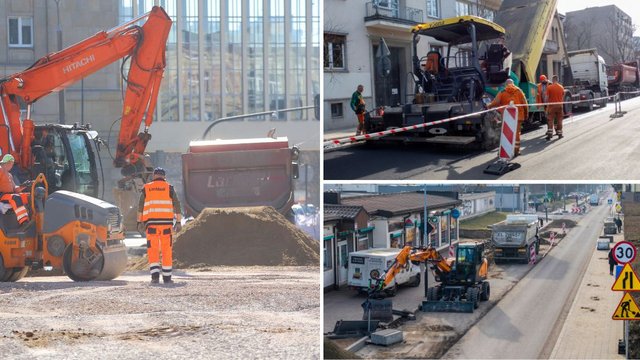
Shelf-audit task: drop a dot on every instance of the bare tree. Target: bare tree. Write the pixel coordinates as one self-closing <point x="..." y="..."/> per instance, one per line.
<point x="616" y="41"/>
<point x="578" y="35"/>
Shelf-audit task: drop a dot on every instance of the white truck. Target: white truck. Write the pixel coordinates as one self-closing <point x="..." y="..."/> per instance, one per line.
<point x="589" y="72"/>
<point x="365" y="265"/>
<point x="594" y="200"/>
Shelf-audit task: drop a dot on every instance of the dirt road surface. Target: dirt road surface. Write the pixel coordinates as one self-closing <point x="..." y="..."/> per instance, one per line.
<point x="214" y="313"/>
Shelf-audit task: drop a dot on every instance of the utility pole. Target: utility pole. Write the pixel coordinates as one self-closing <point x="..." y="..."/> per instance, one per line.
<point x="424" y="225"/>
<point x="306" y="182"/>
<point x="61" y="92"/>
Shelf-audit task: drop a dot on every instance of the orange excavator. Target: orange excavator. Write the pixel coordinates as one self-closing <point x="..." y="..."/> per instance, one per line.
<point x="462" y="280"/>
<point x="72" y="228"/>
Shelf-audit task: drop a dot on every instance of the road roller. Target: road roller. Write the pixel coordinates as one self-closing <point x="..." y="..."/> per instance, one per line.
<point x="80" y="234"/>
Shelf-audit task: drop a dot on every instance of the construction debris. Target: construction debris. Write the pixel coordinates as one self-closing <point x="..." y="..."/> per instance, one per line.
<point x="243" y="236"/>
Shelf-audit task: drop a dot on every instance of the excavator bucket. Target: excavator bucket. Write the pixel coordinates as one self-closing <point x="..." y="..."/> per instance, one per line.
<point x="447" y="306"/>
<point x="127" y="201"/>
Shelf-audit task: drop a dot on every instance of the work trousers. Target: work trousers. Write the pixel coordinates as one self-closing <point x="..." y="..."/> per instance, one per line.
<point x="516" y="150"/>
<point x="360" y="129"/>
<point x="17" y="201"/>
<point x="554" y="113"/>
<point x="159" y="237"/>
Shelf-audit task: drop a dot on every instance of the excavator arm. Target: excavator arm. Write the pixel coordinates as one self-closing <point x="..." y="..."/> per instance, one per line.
<point x="143" y="45"/>
<point x="409" y="255"/>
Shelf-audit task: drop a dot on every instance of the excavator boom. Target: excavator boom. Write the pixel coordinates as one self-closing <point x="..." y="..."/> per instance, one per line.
<point x="144" y="45"/>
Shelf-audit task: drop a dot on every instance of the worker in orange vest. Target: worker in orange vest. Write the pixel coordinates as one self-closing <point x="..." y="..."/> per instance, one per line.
<point x="555" y="94"/>
<point x="542" y="90"/>
<point x="505" y="97"/>
<point x="11" y="193"/>
<point x="157" y="208"/>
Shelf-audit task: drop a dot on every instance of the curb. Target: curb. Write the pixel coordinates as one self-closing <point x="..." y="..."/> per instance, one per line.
<point x="342" y="147"/>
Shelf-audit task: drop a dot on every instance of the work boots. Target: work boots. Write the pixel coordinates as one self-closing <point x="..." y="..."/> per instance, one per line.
<point x="155" y="278"/>
<point x="167" y="279"/>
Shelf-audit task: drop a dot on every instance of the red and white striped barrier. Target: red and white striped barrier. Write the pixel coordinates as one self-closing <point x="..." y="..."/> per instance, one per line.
<point x="509" y="129"/>
<point x="552" y="238"/>
<point x="452" y="252"/>
<point x="532" y="254"/>
<point x="564" y="226"/>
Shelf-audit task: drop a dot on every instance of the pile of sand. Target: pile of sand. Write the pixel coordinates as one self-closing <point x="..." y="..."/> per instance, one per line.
<point x="243" y="236"/>
<point x="558" y="223"/>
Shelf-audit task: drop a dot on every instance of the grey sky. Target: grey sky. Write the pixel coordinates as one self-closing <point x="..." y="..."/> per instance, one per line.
<point x="631" y="7"/>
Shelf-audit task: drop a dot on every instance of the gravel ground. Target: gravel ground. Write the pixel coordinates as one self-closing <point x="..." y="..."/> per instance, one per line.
<point x="213" y="313"/>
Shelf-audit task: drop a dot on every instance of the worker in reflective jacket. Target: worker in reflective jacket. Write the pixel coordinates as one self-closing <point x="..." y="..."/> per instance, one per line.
<point x="505" y="97"/>
<point x="11" y="193"/>
<point x="555" y="93"/>
<point x="157" y="208"/>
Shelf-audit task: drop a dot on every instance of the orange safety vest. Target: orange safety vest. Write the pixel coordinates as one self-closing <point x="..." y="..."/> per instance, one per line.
<point x="158" y="205"/>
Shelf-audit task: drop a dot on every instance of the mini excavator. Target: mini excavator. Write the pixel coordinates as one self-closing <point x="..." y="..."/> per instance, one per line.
<point x="462" y="280"/>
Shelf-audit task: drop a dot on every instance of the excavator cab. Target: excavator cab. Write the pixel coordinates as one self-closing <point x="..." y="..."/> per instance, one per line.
<point x="467" y="268"/>
<point x="67" y="156"/>
<point x="461" y="289"/>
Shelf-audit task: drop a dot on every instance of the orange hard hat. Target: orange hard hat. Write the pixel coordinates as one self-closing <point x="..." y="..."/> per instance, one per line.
<point x="543" y="78"/>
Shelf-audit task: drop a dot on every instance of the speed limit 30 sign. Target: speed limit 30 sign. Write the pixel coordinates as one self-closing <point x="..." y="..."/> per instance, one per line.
<point x="624" y="252"/>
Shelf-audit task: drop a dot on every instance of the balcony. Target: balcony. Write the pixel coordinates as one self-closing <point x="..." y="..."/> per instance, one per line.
<point x="550" y="47"/>
<point x="392" y="17"/>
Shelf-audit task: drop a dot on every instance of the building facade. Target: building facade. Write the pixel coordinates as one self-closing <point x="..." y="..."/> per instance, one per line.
<point x="393" y="220"/>
<point x="353" y="33"/>
<point x="477" y="204"/>
<point x="606" y="28"/>
<point x="223" y="58"/>
<point x="346" y="229"/>
<point x="554" y="54"/>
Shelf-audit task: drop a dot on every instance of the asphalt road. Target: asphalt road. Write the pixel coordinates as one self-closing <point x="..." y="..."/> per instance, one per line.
<point x="595" y="147"/>
<point x="527" y="321"/>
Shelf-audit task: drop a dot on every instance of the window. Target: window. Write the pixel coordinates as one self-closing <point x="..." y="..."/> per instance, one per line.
<point x="336" y="110"/>
<point x="486" y="13"/>
<point x="327" y="255"/>
<point x="433" y="8"/>
<point x="363" y="242"/>
<point x="20" y="31"/>
<point x="462" y="8"/>
<point x="334" y="51"/>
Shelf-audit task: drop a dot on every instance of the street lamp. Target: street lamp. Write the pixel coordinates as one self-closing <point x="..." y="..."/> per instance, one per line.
<point x="59" y="38"/>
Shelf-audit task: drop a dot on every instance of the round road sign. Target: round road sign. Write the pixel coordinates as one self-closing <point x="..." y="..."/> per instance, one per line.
<point x="624" y="252"/>
<point x="455" y="213"/>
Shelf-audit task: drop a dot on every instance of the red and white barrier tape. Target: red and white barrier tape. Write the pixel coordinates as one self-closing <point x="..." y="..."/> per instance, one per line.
<point x="351" y="139"/>
<point x="402" y="129"/>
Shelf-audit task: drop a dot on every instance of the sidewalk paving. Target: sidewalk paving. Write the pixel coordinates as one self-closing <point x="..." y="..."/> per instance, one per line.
<point x="589" y="332"/>
<point x="338" y="133"/>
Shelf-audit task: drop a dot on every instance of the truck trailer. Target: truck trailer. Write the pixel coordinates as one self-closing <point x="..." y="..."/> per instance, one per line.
<point x="513" y="238"/>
